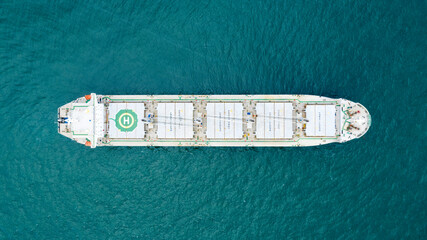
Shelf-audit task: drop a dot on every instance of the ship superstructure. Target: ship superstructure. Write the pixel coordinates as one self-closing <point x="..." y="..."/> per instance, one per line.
<point x="211" y="120"/>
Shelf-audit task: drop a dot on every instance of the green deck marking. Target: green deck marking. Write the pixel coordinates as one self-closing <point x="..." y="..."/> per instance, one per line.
<point x="79" y="134"/>
<point x="342" y="129"/>
<point x="77" y="107"/>
<point x="126" y="120"/>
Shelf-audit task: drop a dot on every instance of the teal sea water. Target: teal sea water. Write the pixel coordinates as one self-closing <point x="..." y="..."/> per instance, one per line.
<point x="372" y="52"/>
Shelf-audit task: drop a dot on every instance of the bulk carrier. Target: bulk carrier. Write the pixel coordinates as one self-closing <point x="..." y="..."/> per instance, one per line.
<point x="212" y="120"/>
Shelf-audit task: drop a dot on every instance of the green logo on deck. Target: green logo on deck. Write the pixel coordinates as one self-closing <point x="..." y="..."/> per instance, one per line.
<point x="126" y="120"/>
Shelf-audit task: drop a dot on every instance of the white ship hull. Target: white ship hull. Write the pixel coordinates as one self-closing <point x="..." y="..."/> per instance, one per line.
<point x="212" y="120"/>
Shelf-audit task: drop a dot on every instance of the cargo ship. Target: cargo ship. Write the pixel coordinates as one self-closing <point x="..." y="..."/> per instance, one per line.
<point x="212" y="120"/>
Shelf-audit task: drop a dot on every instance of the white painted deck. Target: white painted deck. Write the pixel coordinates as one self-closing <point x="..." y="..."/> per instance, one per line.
<point x="275" y="120"/>
<point x="174" y="120"/>
<point x="321" y="120"/>
<point x="114" y="109"/>
<point x="224" y="120"/>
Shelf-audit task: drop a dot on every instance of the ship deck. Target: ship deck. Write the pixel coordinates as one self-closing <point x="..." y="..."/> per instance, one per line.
<point x="249" y="136"/>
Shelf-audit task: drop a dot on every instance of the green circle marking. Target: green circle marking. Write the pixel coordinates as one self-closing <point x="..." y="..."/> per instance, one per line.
<point x="126" y="120"/>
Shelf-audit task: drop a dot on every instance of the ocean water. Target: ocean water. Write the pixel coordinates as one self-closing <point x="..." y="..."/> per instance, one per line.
<point x="372" y="52"/>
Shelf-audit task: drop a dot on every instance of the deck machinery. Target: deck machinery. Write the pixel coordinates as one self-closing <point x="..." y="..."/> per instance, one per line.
<point x="211" y="120"/>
